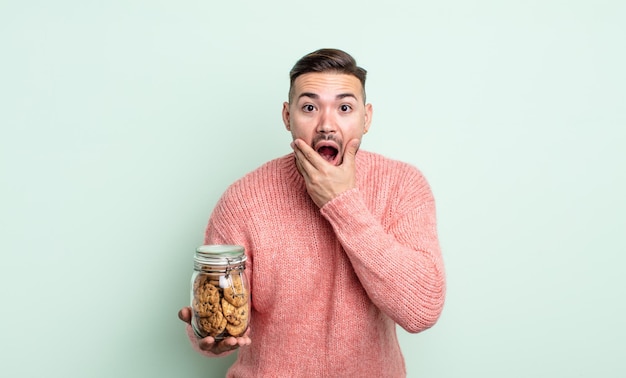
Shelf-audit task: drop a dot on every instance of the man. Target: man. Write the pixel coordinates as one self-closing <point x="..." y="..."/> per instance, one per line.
<point x="342" y="245"/>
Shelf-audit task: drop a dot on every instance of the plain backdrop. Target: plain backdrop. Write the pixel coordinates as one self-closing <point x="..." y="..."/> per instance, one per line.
<point x="122" y="122"/>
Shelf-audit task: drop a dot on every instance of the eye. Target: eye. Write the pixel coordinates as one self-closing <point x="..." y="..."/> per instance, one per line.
<point x="308" y="108"/>
<point x="345" y="108"/>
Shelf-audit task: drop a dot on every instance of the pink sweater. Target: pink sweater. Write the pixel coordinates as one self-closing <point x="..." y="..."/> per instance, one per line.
<point x="329" y="285"/>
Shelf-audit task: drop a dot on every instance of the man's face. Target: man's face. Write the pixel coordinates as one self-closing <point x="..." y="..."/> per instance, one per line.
<point x="327" y="110"/>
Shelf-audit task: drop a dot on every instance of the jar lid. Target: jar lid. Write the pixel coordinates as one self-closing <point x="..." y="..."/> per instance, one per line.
<point x="220" y="254"/>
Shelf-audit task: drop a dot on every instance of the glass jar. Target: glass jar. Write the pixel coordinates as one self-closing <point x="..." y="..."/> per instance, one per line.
<point x="220" y="299"/>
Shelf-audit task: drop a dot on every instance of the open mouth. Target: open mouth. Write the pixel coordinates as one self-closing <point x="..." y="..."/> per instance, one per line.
<point x="328" y="147"/>
<point x="329" y="153"/>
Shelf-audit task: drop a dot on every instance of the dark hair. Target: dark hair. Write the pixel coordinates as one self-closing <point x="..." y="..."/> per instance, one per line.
<point x="327" y="60"/>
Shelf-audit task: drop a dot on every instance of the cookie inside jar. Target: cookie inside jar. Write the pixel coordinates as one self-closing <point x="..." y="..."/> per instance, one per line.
<point x="220" y="298"/>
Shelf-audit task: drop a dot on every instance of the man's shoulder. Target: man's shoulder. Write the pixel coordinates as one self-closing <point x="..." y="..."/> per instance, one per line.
<point x="268" y="173"/>
<point x="374" y="160"/>
<point x="394" y="172"/>
<point x="276" y="167"/>
<point x="392" y="176"/>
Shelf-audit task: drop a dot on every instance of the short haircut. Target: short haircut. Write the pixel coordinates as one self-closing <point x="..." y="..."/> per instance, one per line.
<point x="327" y="60"/>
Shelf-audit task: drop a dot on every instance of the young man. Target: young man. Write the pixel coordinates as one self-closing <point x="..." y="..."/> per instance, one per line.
<point x="342" y="245"/>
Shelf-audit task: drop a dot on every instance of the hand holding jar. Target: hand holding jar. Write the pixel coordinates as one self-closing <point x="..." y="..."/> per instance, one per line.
<point x="220" y="299"/>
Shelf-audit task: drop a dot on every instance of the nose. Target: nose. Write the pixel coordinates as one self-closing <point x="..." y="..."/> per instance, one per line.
<point x="326" y="123"/>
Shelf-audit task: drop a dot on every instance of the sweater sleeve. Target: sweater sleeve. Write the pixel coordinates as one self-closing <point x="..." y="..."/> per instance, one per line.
<point x="401" y="267"/>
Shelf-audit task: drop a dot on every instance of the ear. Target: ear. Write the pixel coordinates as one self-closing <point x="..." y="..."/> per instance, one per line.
<point x="369" y="111"/>
<point x="286" y="116"/>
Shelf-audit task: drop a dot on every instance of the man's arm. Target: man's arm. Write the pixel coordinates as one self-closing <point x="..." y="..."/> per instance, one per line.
<point x="401" y="268"/>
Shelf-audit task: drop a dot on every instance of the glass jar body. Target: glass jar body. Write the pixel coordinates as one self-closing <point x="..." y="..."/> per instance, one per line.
<point x="220" y="299"/>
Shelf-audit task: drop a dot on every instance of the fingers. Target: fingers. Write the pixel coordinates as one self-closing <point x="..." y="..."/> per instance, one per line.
<point x="306" y="156"/>
<point x="185" y="314"/>
<point x="207" y="344"/>
<point x="299" y="158"/>
<point x="243" y="341"/>
<point x="230" y="343"/>
<point x="350" y="153"/>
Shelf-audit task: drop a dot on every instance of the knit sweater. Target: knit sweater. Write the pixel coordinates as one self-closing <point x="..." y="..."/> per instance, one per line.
<point x="329" y="285"/>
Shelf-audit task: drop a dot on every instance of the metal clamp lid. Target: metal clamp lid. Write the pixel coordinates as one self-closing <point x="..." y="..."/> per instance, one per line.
<point x="220" y="256"/>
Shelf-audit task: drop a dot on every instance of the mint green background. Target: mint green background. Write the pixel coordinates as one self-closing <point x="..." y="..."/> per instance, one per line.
<point x="122" y="122"/>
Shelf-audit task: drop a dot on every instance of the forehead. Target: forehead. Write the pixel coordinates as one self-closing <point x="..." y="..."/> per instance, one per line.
<point x="328" y="84"/>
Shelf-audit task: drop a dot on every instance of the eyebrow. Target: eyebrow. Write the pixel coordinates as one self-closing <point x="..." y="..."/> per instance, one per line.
<point x="315" y="96"/>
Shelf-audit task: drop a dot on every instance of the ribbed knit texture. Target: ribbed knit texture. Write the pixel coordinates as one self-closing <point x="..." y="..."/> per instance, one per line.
<point x="329" y="285"/>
